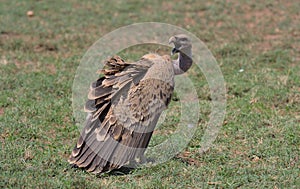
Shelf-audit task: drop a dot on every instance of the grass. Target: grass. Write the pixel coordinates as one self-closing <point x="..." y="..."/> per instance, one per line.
<point x="258" y="146"/>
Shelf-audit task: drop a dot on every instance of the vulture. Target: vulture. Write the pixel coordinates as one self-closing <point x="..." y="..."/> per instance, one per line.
<point x="124" y="106"/>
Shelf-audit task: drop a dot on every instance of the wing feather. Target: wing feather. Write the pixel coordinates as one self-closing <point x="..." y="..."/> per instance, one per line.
<point x="123" y="108"/>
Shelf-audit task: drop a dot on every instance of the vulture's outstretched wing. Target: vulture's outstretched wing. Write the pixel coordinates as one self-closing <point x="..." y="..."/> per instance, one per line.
<point x="123" y="108"/>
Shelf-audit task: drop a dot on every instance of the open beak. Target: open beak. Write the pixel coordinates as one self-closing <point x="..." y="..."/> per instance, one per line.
<point x="174" y="51"/>
<point x="173" y="40"/>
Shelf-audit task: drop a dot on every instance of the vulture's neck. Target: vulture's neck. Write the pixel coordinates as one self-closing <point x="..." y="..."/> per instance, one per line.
<point x="183" y="62"/>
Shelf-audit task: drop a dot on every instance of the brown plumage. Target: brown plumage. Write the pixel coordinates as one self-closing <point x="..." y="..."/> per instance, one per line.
<point x="124" y="106"/>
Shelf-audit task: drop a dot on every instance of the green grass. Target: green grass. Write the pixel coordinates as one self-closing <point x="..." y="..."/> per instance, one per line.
<point x="258" y="146"/>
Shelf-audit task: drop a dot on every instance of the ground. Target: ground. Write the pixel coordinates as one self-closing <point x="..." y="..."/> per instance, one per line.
<point x="256" y="45"/>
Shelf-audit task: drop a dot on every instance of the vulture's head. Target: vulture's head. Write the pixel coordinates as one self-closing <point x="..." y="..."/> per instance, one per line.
<point x="181" y="42"/>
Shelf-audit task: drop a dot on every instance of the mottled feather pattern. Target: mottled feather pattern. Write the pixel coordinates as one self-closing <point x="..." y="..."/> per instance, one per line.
<point x="123" y="108"/>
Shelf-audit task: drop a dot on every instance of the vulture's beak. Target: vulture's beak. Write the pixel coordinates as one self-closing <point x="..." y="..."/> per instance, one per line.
<point x="173" y="40"/>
